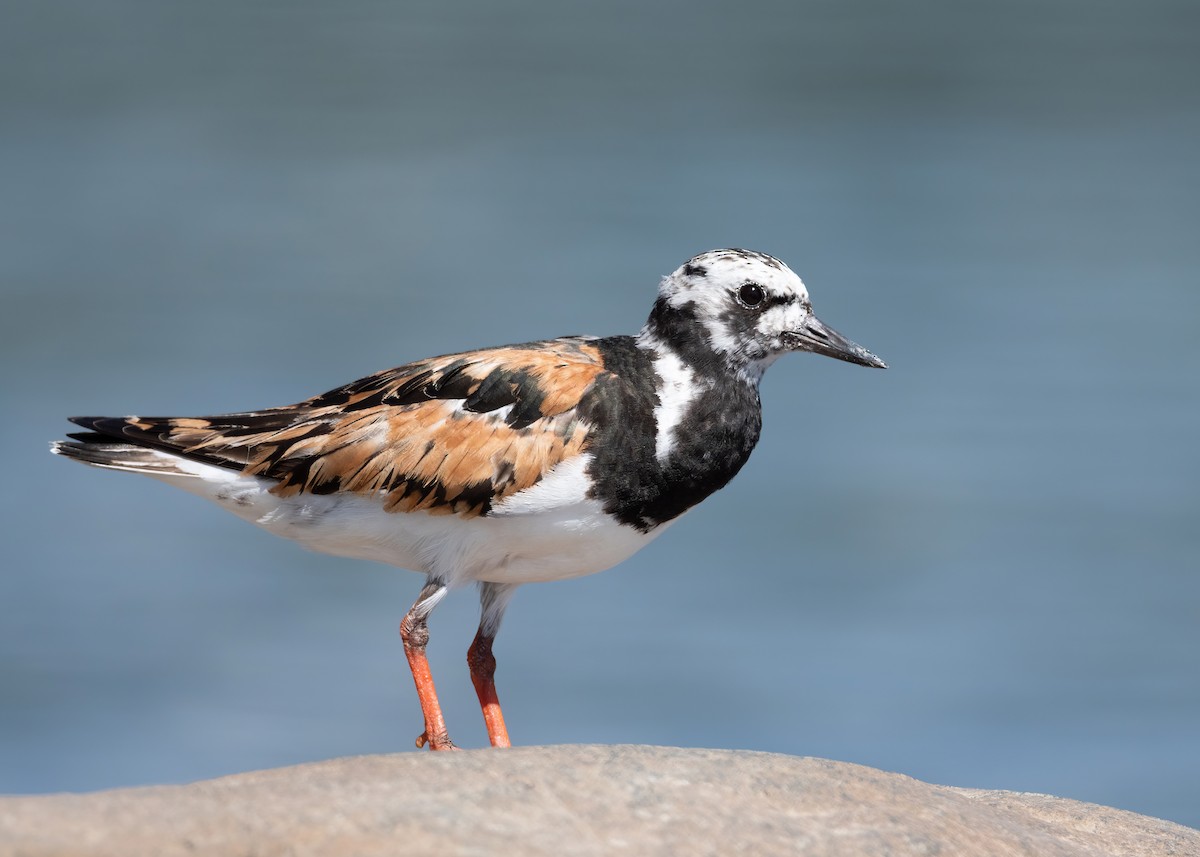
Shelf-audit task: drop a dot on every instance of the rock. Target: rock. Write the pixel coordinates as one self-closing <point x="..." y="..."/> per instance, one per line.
<point x="576" y="800"/>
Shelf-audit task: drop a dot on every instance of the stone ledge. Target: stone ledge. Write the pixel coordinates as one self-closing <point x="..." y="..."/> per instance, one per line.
<point x="576" y="800"/>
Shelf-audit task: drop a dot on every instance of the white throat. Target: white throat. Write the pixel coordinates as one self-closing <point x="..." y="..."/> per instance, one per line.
<point x="679" y="388"/>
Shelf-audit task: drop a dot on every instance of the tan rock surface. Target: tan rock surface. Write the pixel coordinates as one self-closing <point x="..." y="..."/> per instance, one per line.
<point x="576" y="800"/>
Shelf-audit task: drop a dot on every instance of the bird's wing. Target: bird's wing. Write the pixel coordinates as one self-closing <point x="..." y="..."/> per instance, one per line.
<point x="453" y="434"/>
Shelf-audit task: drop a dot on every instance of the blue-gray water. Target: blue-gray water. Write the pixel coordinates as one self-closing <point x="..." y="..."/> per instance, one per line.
<point x="979" y="567"/>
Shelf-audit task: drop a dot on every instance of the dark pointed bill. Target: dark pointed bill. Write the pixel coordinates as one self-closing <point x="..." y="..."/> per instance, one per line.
<point x="820" y="338"/>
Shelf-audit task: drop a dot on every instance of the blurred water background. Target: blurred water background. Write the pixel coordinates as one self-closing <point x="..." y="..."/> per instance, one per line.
<point x="977" y="568"/>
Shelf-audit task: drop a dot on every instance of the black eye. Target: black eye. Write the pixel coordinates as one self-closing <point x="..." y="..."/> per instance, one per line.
<point x="751" y="294"/>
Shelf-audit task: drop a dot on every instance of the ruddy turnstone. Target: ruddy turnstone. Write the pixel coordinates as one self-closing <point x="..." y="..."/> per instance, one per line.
<point x="504" y="466"/>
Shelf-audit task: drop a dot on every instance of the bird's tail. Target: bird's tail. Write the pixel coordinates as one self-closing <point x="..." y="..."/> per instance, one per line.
<point x="101" y="450"/>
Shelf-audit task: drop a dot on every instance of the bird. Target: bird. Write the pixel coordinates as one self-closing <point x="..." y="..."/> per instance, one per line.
<point x="503" y="466"/>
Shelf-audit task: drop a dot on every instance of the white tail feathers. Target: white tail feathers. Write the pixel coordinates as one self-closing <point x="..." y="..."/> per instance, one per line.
<point x="114" y="455"/>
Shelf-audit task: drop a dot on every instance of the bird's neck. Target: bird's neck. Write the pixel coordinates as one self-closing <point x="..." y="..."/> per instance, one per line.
<point x="675" y="433"/>
<point x="679" y="331"/>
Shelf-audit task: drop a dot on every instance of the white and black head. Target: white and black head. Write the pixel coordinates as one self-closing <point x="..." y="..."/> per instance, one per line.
<point x="744" y="310"/>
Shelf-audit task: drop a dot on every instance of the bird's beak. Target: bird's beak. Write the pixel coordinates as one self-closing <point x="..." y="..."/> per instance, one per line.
<point x="816" y="336"/>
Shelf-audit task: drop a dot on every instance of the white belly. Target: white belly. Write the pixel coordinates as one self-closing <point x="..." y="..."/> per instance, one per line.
<point x="551" y="531"/>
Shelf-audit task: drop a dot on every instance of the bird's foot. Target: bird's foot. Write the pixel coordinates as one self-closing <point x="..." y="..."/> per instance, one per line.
<point x="439" y="741"/>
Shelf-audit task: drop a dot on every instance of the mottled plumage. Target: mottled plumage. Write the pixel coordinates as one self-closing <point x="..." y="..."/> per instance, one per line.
<point x="451" y="434"/>
<point x="506" y="465"/>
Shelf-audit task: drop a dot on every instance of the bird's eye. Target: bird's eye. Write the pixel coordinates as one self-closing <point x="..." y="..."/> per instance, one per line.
<point x="751" y="294"/>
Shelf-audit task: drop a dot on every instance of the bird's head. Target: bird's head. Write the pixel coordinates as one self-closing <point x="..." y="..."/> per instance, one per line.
<point x="744" y="309"/>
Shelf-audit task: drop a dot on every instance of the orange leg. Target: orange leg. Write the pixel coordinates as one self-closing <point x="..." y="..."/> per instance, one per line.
<point x="483" y="668"/>
<point x="415" y="633"/>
